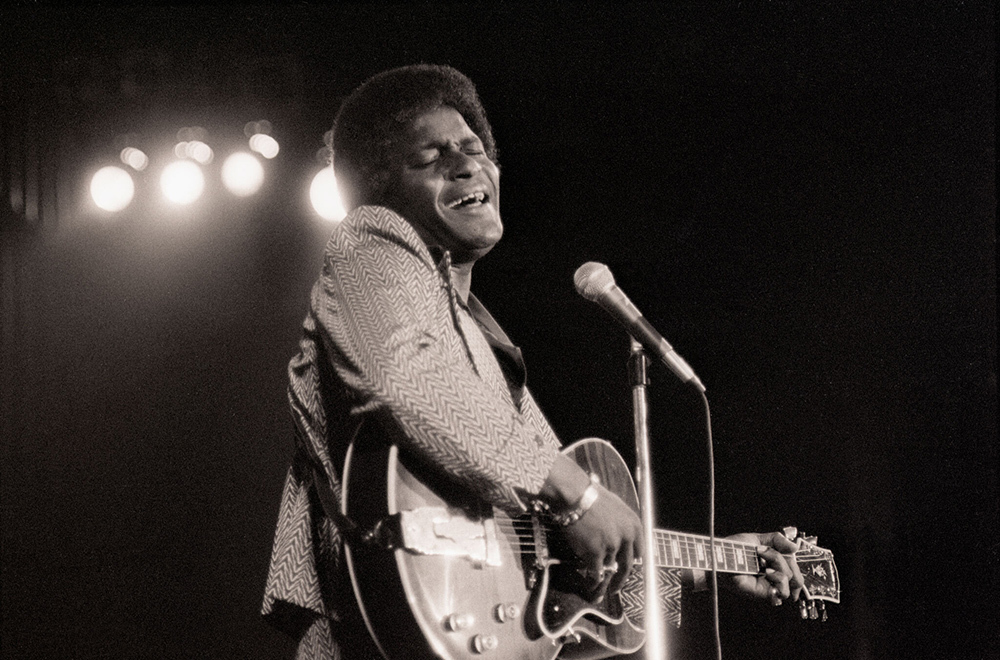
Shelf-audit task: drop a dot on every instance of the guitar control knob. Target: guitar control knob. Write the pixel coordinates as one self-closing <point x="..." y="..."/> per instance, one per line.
<point x="484" y="643"/>
<point x="505" y="612"/>
<point x="456" y="622"/>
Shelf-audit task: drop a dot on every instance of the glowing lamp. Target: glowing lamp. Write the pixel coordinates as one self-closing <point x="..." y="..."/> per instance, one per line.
<point x="112" y="188"/>
<point x="325" y="197"/>
<point x="134" y="158"/>
<point x="182" y="182"/>
<point x="265" y="145"/>
<point x="242" y="174"/>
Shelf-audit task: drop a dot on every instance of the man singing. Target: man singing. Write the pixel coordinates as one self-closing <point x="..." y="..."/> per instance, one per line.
<point x="396" y="349"/>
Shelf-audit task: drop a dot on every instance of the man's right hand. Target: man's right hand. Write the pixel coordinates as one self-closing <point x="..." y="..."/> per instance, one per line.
<point x="609" y="534"/>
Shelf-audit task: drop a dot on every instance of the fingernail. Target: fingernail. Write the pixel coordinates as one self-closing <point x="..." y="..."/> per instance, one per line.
<point x="768" y="571"/>
<point x="761" y="548"/>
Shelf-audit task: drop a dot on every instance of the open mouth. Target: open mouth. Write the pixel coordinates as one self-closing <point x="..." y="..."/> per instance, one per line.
<point x="467" y="201"/>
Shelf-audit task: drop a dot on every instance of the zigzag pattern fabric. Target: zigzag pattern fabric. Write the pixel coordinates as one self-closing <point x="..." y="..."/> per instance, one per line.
<point x="668" y="589"/>
<point x="387" y="341"/>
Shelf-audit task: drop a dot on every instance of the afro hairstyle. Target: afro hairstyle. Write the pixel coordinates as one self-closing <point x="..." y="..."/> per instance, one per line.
<point x="372" y="119"/>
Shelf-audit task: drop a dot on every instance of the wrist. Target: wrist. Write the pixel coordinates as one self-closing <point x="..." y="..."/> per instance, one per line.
<point x="577" y="510"/>
<point x="565" y="485"/>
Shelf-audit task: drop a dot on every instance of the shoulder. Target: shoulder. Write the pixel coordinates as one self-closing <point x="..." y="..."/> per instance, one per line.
<point x="379" y="225"/>
<point x="376" y="244"/>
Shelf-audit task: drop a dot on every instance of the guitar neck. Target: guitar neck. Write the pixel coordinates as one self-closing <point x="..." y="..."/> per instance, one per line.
<point x="678" y="550"/>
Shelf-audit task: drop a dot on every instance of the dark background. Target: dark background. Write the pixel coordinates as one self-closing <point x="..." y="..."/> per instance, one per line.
<point x="801" y="198"/>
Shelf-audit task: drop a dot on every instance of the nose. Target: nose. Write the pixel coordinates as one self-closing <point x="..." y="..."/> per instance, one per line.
<point x="462" y="166"/>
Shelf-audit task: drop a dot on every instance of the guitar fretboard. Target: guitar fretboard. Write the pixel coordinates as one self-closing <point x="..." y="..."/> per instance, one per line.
<point x="676" y="550"/>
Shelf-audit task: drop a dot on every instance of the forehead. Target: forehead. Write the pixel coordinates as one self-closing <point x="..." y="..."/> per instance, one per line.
<point x="442" y="124"/>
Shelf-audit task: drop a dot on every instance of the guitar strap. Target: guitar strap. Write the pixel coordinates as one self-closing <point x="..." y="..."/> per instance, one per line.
<point x="349" y="529"/>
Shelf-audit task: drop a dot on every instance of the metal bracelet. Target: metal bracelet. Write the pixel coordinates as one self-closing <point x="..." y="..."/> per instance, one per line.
<point x="582" y="506"/>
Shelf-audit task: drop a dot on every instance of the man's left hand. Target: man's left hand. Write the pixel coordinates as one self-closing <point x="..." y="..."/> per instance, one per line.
<point x="781" y="578"/>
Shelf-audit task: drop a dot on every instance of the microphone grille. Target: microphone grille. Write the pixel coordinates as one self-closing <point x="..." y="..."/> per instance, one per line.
<point x="592" y="279"/>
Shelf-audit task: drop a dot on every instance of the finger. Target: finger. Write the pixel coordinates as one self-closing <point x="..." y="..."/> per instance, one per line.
<point x="778" y="585"/>
<point x="599" y="572"/>
<point x="779" y="582"/>
<point x="777" y="571"/>
<point x="595" y="575"/>
<point x="624" y="558"/>
<point x="795" y="581"/>
<point x="775" y="595"/>
<point x="787" y="549"/>
<point x="591" y="578"/>
<point x="779" y="542"/>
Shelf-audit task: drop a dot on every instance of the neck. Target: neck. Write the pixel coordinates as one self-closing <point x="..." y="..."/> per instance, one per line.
<point x="461" y="275"/>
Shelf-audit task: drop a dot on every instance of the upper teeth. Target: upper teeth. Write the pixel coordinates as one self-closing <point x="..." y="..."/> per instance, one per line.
<point x="471" y="197"/>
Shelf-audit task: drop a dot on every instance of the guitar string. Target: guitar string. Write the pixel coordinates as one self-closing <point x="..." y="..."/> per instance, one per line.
<point x="527" y="547"/>
<point x="664" y="540"/>
<point x="687" y="545"/>
<point x="690" y="539"/>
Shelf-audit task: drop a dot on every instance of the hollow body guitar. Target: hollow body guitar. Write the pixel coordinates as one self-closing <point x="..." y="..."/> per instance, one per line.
<point x="444" y="575"/>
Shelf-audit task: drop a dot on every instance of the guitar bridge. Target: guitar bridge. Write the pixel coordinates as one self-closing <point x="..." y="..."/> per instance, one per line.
<point x="435" y="531"/>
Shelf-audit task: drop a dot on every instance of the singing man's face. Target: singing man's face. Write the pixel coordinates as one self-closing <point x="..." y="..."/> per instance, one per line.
<point x="443" y="183"/>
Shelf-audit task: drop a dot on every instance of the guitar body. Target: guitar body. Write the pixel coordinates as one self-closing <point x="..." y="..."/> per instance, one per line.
<point x="444" y="576"/>
<point x="513" y="601"/>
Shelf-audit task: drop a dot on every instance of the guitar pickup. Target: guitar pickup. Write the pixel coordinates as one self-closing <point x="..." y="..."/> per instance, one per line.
<point x="435" y="531"/>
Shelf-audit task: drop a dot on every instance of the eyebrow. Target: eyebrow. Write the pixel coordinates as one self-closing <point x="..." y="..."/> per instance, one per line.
<point x="435" y="144"/>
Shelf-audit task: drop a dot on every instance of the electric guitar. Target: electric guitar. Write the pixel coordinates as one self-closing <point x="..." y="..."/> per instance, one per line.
<point x="443" y="575"/>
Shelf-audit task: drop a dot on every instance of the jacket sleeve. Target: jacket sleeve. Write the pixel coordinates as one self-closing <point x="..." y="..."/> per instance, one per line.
<point x="386" y="318"/>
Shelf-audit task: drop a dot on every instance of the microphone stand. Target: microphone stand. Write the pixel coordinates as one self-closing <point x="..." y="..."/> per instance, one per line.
<point x="656" y="634"/>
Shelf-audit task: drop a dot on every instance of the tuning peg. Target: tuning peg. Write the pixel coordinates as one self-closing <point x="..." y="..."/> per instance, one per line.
<point x="812" y="540"/>
<point x="822" y="609"/>
<point x="813" y="613"/>
<point x="803" y="609"/>
<point x="790" y="533"/>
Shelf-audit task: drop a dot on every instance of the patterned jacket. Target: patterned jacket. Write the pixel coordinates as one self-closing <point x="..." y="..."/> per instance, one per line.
<point x="387" y="340"/>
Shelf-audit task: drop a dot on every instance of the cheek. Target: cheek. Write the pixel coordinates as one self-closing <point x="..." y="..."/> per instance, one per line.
<point x="418" y="196"/>
<point x="493" y="172"/>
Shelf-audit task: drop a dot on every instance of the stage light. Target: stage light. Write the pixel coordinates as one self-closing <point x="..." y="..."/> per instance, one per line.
<point x="242" y="174"/>
<point x="112" y="188"/>
<point x="182" y="182"/>
<point x="325" y="197"/>
<point x="265" y="145"/>
<point x="134" y="158"/>
<point x="199" y="151"/>
<point x="195" y="150"/>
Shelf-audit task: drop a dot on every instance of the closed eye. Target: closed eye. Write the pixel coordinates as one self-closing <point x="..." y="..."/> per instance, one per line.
<point x="425" y="159"/>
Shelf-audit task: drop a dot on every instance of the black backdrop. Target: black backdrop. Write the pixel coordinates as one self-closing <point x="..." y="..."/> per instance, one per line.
<point x="801" y="199"/>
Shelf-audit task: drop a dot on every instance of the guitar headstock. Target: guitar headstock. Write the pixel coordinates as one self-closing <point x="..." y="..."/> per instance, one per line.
<point x="819" y="572"/>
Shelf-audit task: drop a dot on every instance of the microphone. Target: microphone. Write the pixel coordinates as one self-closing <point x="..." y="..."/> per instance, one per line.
<point x="595" y="282"/>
